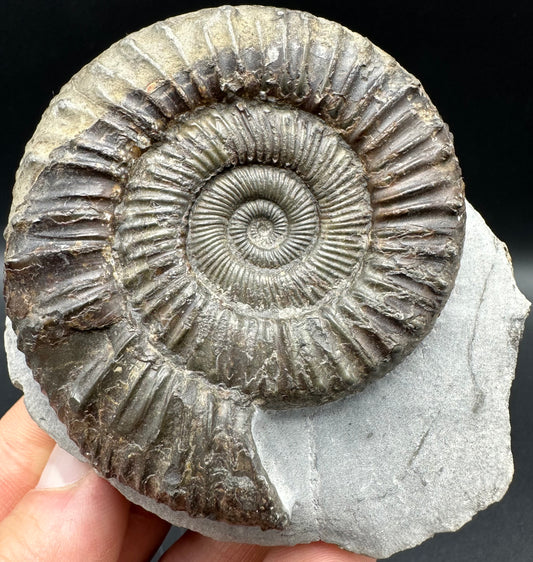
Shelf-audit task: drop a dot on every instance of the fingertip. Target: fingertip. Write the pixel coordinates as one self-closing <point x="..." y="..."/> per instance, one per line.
<point x="24" y="450"/>
<point x="18" y="422"/>
<point x="194" y="547"/>
<point x="314" y="552"/>
<point x="61" y="470"/>
<point x="66" y="523"/>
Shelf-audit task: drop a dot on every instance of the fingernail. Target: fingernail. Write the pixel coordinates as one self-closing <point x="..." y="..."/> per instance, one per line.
<point x="62" y="470"/>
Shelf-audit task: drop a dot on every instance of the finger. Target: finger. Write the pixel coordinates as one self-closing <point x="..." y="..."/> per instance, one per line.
<point x="144" y="534"/>
<point x="313" y="552"/>
<point x="193" y="547"/>
<point x="24" y="450"/>
<point x="72" y="515"/>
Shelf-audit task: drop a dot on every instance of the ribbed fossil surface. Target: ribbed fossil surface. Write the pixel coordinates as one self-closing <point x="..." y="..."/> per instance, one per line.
<point x="234" y="209"/>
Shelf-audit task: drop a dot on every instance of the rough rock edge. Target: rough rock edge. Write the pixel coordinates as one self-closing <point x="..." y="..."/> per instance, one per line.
<point x="322" y="525"/>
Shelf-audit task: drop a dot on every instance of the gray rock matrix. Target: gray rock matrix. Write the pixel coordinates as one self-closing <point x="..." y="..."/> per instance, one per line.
<point x="418" y="452"/>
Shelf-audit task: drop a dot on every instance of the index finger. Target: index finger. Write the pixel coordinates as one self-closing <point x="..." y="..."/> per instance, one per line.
<point x="24" y="450"/>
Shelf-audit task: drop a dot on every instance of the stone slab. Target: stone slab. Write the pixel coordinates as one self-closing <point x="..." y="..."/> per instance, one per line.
<point x="417" y="453"/>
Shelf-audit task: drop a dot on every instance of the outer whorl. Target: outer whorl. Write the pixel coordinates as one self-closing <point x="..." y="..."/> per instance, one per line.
<point x="237" y="208"/>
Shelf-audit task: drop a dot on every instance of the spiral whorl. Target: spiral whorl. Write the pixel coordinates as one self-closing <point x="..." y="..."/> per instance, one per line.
<point x="238" y="208"/>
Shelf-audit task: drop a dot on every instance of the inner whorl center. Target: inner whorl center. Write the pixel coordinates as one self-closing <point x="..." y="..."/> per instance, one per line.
<point x="262" y="233"/>
<point x="261" y="223"/>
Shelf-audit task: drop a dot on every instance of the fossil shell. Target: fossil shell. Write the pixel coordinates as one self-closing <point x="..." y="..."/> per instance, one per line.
<point x="232" y="209"/>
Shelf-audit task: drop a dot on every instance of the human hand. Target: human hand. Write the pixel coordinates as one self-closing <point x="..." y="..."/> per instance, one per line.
<point x="55" y="508"/>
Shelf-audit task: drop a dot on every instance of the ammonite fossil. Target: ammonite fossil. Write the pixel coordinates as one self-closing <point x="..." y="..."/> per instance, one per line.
<point x="234" y="209"/>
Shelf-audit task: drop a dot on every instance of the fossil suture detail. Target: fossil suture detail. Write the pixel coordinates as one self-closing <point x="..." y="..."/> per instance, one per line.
<point x="234" y="209"/>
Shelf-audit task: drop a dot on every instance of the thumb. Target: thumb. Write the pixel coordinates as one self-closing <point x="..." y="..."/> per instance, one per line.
<point x="71" y="515"/>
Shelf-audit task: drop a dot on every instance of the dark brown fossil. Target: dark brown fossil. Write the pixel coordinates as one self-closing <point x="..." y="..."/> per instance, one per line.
<point x="232" y="209"/>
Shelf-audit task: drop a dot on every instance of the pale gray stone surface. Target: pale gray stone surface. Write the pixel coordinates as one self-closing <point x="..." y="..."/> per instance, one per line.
<point x="418" y="452"/>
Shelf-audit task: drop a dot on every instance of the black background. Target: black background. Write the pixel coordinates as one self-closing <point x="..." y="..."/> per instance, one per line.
<point x="474" y="60"/>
